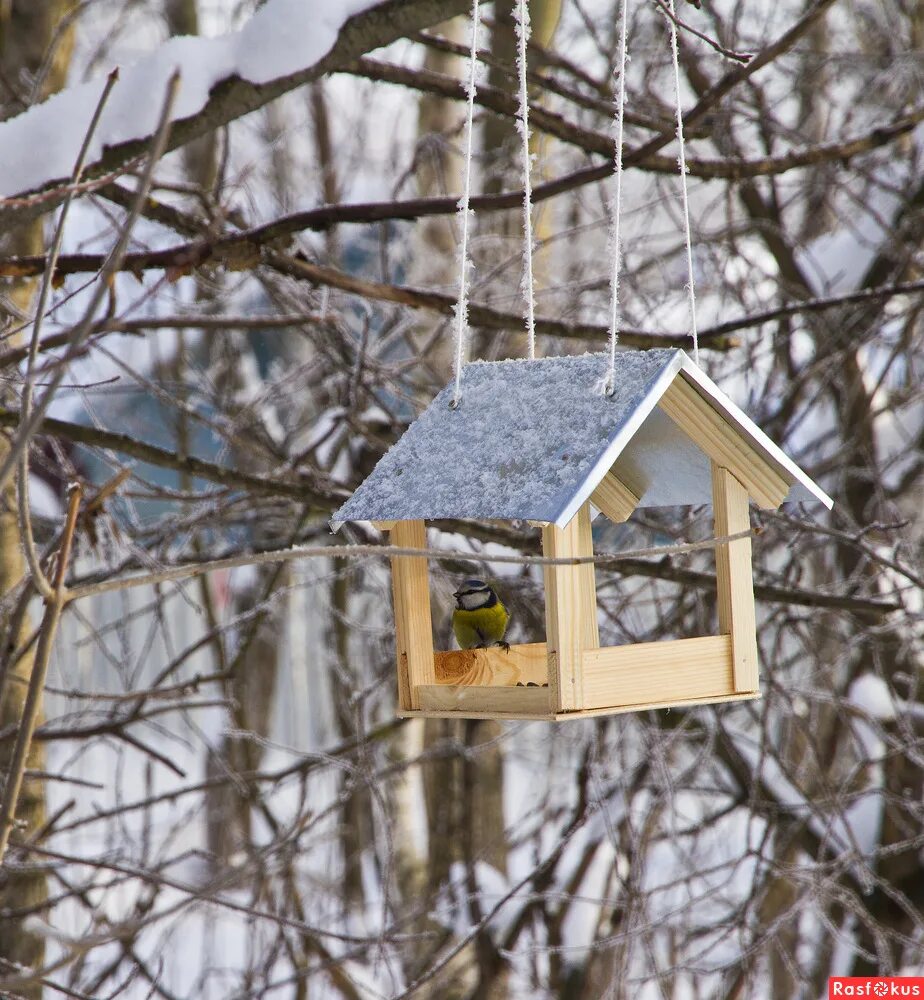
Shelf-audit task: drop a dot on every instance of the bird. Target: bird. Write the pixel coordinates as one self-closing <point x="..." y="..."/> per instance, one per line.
<point x="479" y="618"/>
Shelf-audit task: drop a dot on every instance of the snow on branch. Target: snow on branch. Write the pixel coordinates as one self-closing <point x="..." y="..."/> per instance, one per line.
<point x="285" y="44"/>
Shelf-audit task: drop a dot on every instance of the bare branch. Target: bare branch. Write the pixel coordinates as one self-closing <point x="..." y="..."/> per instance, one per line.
<point x="49" y="627"/>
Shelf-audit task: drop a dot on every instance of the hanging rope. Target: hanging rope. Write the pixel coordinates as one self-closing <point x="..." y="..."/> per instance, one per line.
<point x="682" y="161"/>
<point x="615" y="239"/>
<point x="526" y="284"/>
<point x="465" y="212"/>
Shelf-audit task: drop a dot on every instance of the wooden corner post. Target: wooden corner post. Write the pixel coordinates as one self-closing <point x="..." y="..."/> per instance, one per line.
<point x="734" y="577"/>
<point x="570" y="610"/>
<point x="410" y="578"/>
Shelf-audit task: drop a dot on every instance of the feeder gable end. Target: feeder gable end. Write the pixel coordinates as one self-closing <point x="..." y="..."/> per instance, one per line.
<point x="723" y="443"/>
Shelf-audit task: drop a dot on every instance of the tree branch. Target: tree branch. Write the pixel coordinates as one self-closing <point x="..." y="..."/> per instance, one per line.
<point x="326" y="499"/>
<point x="234" y="97"/>
<point x="49" y="627"/>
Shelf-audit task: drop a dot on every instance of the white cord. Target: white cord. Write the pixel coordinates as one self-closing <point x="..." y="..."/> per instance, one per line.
<point x="615" y="239"/>
<point x="526" y="284"/>
<point x="464" y="263"/>
<point x="682" y="161"/>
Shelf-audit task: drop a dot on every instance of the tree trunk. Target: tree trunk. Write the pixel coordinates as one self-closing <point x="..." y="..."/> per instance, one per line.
<point x="27" y="30"/>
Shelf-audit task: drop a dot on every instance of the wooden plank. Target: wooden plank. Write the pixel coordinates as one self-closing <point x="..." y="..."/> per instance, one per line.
<point x="543" y="716"/>
<point x="568" y="613"/>
<point x="734" y="577"/>
<point x="590" y="713"/>
<point x="723" y="443"/>
<point x="494" y="667"/>
<point x="413" y="630"/>
<point x="663" y="673"/>
<point x="384" y="525"/>
<point x="614" y="499"/>
<point x="487" y="701"/>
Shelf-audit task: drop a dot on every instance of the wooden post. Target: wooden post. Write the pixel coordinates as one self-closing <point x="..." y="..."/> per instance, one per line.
<point x="590" y="629"/>
<point x="410" y="578"/>
<point x="570" y="610"/>
<point x="734" y="577"/>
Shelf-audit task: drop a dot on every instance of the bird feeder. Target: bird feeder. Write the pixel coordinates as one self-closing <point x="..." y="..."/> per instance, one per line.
<point x="539" y="440"/>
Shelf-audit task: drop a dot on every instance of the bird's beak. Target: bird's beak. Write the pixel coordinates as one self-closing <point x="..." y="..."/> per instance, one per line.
<point x="456" y="594"/>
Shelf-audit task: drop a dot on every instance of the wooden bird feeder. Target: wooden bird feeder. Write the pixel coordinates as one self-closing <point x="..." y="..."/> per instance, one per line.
<point x="539" y="440"/>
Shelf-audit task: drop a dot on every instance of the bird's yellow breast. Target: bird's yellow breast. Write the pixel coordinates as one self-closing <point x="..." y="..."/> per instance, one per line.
<point x="481" y="626"/>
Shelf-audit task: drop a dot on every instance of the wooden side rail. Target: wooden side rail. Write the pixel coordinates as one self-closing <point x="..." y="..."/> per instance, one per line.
<point x="644" y="675"/>
<point x="654" y="673"/>
<point x="484" y="700"/>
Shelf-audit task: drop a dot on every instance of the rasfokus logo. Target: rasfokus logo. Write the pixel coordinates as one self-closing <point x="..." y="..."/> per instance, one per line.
<point x="876" y="986"/>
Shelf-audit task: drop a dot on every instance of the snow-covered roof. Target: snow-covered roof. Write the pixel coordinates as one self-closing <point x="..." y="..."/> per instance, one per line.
<point x="531" y="440"/>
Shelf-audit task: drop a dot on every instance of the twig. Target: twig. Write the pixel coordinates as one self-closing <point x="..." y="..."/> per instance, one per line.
<point x="112" y="266"/>
<point x="742" y="57"/>
<point x="492" y="319"/>
<point x="53" y="608"/>
<point x="39" y="579"/>
<point x="602" y="103"/>
<point x="634" y="562"/>
<point x="479" y="315"/>
<point x="193" y="254"/>
<point x="441" y="43"/>
<point x="364" y="551"/>
<point x="296" y="489"/>
<point x="191" y="321"/>
<point x="85" y="187"/>
<point x="814" y="306"/>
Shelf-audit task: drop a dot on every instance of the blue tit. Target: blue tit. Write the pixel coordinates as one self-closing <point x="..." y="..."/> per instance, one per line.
<point x="479" y="618"/>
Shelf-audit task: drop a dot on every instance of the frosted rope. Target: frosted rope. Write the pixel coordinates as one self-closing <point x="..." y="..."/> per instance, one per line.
<point x="526" y="284"/>
<point x="615" y="238"/>
<point x="682" y="162"/>
<point x="462" y="304"/>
